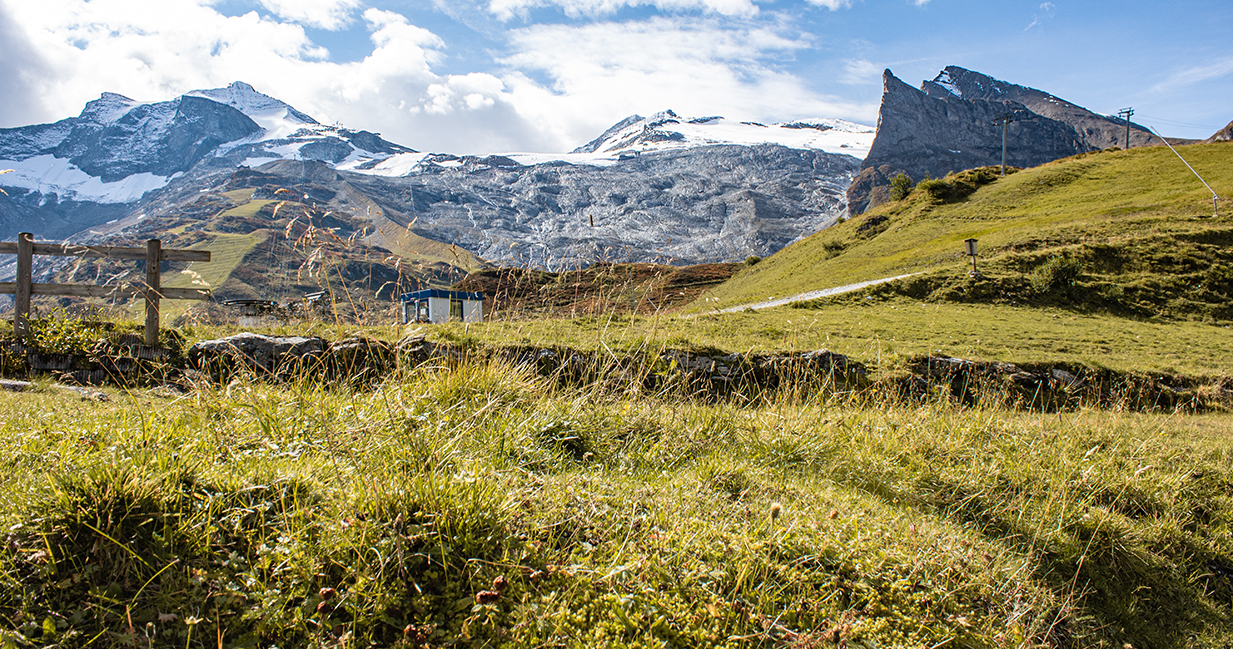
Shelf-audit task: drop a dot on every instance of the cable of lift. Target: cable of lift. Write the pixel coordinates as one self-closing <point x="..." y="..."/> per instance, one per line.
<point x="1215" y="209"/>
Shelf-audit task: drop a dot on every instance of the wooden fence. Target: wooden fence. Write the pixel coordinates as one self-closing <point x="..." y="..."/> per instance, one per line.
<point x="25" y="248"/>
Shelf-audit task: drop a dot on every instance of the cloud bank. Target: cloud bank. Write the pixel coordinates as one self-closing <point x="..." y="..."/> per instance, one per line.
<point x="553" y="86"/>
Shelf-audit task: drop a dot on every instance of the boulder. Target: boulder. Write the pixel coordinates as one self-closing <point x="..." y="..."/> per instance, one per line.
<point x="262" y="355"/>
<point x="359" y="358"/>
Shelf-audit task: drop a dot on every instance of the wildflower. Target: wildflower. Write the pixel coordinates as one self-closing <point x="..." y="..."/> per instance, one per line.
<point x="776" y="510"/>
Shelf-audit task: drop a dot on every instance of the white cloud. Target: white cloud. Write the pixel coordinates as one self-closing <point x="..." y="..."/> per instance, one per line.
<point x="605" y="71"/>
<point x="463" y="92"/>
<point x="1194" y="75"/>
<point x="323" y="14"/>
<point x="860" y="71"/>
<point x="1047" y="8"/>
<point x="155" y="50"/>
<point x="559" y="86"/>
<point x="509" y="9"/>
<point x="835" y="5"/>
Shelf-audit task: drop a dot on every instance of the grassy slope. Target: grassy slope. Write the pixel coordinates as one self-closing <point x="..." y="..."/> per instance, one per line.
<point x="1113" y="198"/>
<point x="606" y="518"/>
<point x="409" y="245"/>
<point x="883" y="333"/>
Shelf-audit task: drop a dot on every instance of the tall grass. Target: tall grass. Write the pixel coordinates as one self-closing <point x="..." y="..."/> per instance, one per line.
<point x="480" y="504"/>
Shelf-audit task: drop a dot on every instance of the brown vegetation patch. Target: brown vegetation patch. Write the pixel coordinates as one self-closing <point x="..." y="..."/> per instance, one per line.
<point x="602" y="288"/>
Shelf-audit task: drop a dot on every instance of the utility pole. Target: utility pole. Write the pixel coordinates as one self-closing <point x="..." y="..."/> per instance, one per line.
<point x="1005" y="121"/>
<point x="1126" y="113"/>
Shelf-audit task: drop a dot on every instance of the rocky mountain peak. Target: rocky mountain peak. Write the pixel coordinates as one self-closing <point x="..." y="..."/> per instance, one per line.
<point x="948" y="125"/>
<point x="1223" y="135"/>
<point x="107" y="108"/>
<point x="257" y="105"/>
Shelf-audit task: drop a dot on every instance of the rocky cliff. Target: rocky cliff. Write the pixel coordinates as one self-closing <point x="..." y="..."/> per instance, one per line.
<point x="679" y="206"/>
<point x="948" y="125"/>
<point x="1223" y="135"/>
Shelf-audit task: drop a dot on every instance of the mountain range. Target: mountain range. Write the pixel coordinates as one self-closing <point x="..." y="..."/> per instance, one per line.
<point x="237" y="170"/>
<point x="664" y="188"/>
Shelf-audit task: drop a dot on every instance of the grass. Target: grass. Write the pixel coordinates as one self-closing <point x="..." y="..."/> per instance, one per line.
<point x="480" y="505"/>
<point x="1142" y="207"/>
<point x="249" y="209"/>
<point x="226" y="252"/>
<point x="885" y="330"/>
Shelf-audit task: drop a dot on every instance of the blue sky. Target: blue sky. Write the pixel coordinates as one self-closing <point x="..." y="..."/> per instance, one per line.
<point x="473" y="76"/>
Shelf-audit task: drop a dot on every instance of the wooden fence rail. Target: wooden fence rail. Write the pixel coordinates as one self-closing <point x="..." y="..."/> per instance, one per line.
<point x="25" y="248"/>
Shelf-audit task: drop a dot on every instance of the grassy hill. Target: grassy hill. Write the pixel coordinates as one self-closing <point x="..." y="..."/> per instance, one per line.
<point x="1133" y="231"/>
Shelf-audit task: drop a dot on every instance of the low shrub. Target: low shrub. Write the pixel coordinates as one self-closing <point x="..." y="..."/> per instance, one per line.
<point x="1058" y="272"/>
<point x="900" y="186"/>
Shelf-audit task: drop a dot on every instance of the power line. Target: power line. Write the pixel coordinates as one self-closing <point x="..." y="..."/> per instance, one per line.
<point x="1173" y="122"/>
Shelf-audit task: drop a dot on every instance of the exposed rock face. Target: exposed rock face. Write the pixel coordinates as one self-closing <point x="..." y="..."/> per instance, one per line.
<point x="1223" y="135"/>
<point x="678" y="206"/>
<point x="1096" y="131"/>
<point x="161" y="139"/>
<point x="948" y="126"/>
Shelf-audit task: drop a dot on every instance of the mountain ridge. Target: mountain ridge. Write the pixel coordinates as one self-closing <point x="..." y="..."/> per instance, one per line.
<point x="949" y="125"/>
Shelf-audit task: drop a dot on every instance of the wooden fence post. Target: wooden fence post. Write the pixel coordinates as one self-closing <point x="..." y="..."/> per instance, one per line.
<point x="25" y="266"/>
<point x="154" y="260"/>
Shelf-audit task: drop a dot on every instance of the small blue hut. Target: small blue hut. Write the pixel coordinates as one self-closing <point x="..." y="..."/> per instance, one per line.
<point x="438" y="305"/>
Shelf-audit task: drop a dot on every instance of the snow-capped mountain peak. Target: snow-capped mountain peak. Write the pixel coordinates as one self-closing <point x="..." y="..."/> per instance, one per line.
<point x="277" y="118"/>
<point x="107" y="108"/>
<point x="663" y="131"/>
<point x="666" y="129"/>
<point x="119" y="149"/>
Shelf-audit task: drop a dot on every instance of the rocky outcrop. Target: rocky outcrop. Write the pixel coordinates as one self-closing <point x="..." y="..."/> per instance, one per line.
<point x="1051" y="388"/>
<point x="692" y="374"/>
<point x="948" y="125"/>
<point x="1223" y="135"/>
<point x="356" y="359"/>
<point x="258" y="354"/>
<point x="678" y="206"/>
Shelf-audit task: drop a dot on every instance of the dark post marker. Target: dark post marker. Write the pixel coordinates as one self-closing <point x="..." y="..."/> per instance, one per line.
<point x="154" y="259"/>
<point x="21" y="298"/>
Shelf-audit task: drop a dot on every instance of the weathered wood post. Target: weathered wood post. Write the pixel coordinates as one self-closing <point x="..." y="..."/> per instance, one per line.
<point x="154" y="260"/>
<point x="21" y="298"/>
<point x="25" y="248"/>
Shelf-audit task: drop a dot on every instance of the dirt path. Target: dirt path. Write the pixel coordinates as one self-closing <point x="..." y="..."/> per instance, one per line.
<point x="812" y="295"/>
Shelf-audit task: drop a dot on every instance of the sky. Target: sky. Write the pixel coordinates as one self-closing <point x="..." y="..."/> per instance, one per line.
<point x="485" y="76"/>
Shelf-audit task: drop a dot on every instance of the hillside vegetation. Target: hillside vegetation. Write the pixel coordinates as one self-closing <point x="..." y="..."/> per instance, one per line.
<point x="1126" y="232"/>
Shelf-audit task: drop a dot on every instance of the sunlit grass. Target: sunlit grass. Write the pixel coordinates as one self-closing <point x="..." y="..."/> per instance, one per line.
<point x="486" y="505"/>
